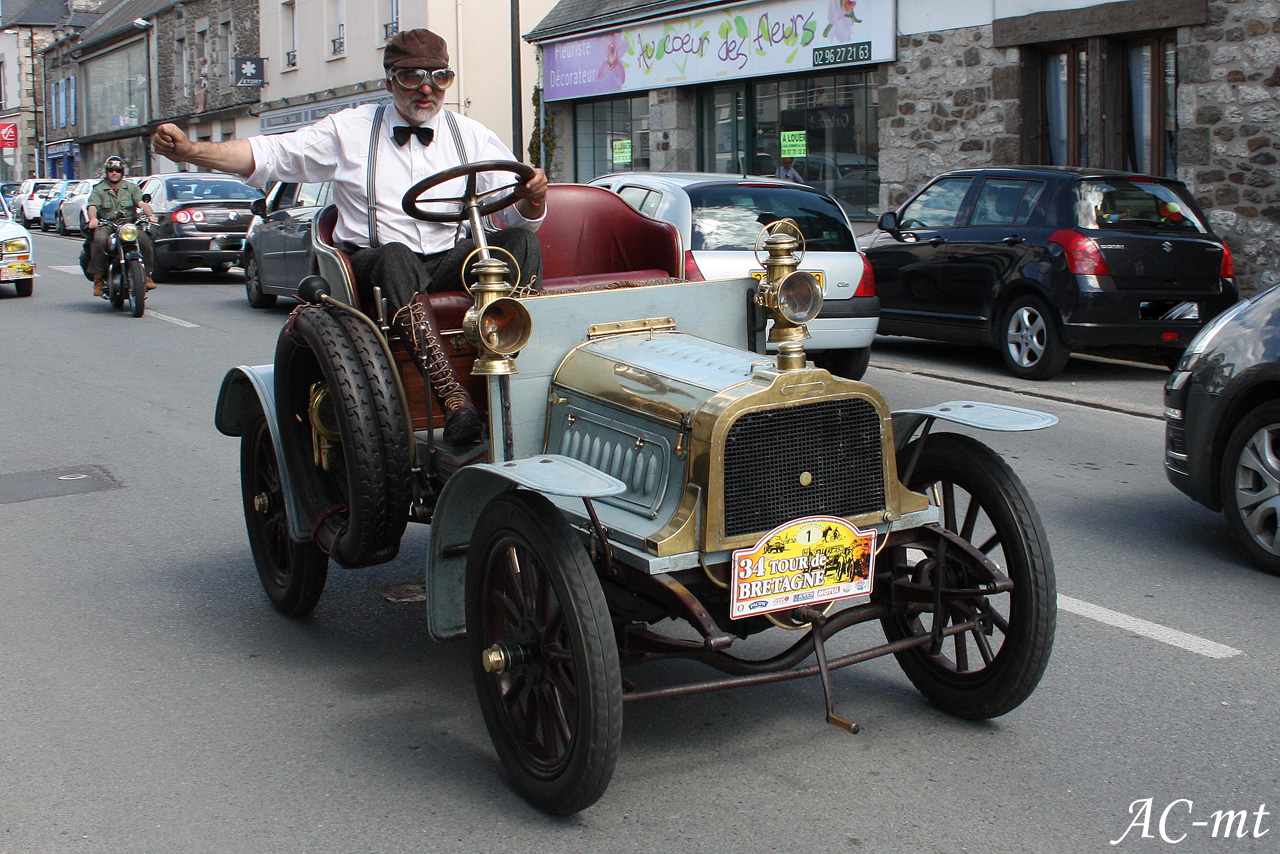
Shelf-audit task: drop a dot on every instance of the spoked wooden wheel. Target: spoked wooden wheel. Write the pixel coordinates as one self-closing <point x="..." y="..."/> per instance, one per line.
<point x="293" y="574"/>
<point x="984" y="672"/>
<point x="543" y="653"/>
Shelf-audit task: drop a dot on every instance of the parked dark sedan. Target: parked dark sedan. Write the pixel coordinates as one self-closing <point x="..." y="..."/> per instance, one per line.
<point x="203" y="217"/>
<point x="1040" y="261"/>
<point x="1222" y="424"/>
<point x="277" y="250"/>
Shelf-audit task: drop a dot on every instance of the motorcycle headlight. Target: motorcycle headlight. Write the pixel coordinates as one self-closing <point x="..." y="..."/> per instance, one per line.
<point x="128" y="232"/>
<point x="17" y="244"/>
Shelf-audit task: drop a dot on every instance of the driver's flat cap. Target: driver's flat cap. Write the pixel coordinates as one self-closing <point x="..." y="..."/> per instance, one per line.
<point x="416" y="49"/>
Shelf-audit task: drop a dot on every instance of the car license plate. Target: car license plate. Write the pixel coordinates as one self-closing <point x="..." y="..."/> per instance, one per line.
<point x="16" y="270"/>
<point x="758" y="275"/>
<point x="808" y="561"/>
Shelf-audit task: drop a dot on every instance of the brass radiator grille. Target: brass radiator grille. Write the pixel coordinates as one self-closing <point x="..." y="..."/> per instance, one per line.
<point x="815" y="458"/>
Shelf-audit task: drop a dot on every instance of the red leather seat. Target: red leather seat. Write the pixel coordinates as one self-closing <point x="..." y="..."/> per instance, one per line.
<point x="591" y="237"/>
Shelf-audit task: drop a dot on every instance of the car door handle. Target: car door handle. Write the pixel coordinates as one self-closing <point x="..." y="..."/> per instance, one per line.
<point x="1012" y="240"/>
<point x="936" y="241"/>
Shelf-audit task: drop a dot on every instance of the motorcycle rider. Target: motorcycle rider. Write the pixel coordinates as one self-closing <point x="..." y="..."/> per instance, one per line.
<point x="114" y="199"/>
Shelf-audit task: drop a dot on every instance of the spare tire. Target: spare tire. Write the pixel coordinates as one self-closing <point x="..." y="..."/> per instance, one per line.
<point x="388" y="417"/>
<point x="341" y="484"/>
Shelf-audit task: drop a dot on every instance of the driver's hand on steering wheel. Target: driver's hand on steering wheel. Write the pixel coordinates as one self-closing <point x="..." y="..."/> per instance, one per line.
<point x="533" y="191"/>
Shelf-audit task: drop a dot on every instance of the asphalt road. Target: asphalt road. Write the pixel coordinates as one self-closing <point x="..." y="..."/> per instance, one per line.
<point x="152" y="701"/>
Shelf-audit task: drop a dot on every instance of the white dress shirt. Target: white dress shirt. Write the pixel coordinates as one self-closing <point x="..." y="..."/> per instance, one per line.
<point x="336" y="148"/>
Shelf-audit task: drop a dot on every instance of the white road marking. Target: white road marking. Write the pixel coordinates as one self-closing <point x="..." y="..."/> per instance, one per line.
<point x="1155" y="631"/>
<point x="158" y="316"/>
<point x="67" y="268"/>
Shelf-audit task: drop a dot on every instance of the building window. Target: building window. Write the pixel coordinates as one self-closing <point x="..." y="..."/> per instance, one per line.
<point x="71" y="99"/>
<point x="338" y="18"/>
<point x="226" y="47"/>
<point x="289" y="33"/>
<point x="1109" y="103"/>
<point x="184" y="57"/>
<point x="611" y="136"/>
<point x="392" y="25"/>
<point x="1066" y="106"/>
<point x="1151" y="115"/>
<point x="821" y="128"/>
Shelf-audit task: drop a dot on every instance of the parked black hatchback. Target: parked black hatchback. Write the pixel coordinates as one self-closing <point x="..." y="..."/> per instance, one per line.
<point x="1222" y="424"/>
<point x="1039" y="261"/>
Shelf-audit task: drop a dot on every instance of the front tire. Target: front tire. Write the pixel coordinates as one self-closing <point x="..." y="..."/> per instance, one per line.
<point x="1030" y="344"/>
<point x="293" y="574"/>
<point x="1251" y="486"/>
<point x="137" y="283"/>
<point x="555" y="712"/>
<point x="24" y="287"/>
<point x="977" y="674"/>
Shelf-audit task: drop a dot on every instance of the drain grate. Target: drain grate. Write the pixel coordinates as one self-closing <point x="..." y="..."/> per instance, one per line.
<point x="51" y="483"/>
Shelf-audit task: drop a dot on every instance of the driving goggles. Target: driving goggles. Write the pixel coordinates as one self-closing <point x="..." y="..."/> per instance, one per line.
<point x="413" y="78"/>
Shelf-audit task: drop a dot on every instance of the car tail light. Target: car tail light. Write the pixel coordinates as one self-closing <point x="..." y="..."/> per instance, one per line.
<point x="1084" y="258"/>
<point x="691" y="271"/>
<point x="867" y="284"/>
<point x="183" y="216"/>
<point x="1228" y="264"/>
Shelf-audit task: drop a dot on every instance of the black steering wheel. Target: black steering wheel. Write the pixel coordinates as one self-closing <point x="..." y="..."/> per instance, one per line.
<point x="483" y="204"/>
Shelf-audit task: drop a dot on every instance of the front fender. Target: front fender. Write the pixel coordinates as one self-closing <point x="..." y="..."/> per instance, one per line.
<point x="246" y="393"/>
<point x="983" y="416"/>
<point x="463" y="499"/>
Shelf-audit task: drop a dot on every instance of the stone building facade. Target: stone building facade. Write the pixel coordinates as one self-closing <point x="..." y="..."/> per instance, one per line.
<point x="955" y="99"/>
<point x="197" y="42"/>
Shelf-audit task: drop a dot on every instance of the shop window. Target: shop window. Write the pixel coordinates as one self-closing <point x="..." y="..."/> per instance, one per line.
<point x="821" y="128"/>
<point x="611" y="136"/>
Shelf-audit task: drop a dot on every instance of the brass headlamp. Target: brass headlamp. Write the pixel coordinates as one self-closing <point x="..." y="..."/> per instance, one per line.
<point x="498" y="325"/>
<point x="792" y="296"/>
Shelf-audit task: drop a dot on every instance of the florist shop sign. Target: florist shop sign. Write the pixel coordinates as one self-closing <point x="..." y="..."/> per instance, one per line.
<point x="748" y="40"/>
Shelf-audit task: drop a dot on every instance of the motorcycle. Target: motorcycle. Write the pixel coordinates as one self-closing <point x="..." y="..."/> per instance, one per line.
<point x="125" y="277"/>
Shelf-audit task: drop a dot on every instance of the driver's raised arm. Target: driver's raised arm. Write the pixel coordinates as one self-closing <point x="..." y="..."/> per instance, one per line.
<point x="232" y="155"/>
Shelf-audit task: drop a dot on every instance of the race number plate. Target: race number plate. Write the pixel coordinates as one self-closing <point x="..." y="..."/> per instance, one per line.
<point x="808" y="561"/>
<point x="758" y="275"/>
<point x="16" y="270"/>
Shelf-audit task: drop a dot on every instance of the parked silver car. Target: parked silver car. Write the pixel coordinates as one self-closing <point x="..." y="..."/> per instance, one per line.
<point x="71" y="216"/>
<point x="719" y="217"/>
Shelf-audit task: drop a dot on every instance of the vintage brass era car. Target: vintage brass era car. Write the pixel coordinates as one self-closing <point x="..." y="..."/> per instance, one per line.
<point x="645" y="461"/>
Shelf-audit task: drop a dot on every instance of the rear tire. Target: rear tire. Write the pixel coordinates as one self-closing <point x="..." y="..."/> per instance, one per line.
<point x="293" y="574"/>
<point x="137" y="287"/>
<point x="1250" y="485"/>
<point x="221" y="268"/>
<point x="253" y="284"/>
<point x="61" y="225"/>
<point x="976" y="674"/>
<point x="159" y="272"/>
<point x="115" y="289"/>
<point x="1029" y="341"/>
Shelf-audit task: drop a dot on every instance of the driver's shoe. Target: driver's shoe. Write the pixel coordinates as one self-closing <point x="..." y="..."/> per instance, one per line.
<point x="151" y="286"/>
<point x="416" y="326"/>
<point x="99" y="286"/>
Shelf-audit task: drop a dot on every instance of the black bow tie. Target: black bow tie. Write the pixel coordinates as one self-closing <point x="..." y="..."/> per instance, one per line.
<point x="403" y="133"/>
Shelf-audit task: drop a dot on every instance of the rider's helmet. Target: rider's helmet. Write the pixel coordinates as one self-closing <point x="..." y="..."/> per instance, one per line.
<point x="112" y="162"/>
